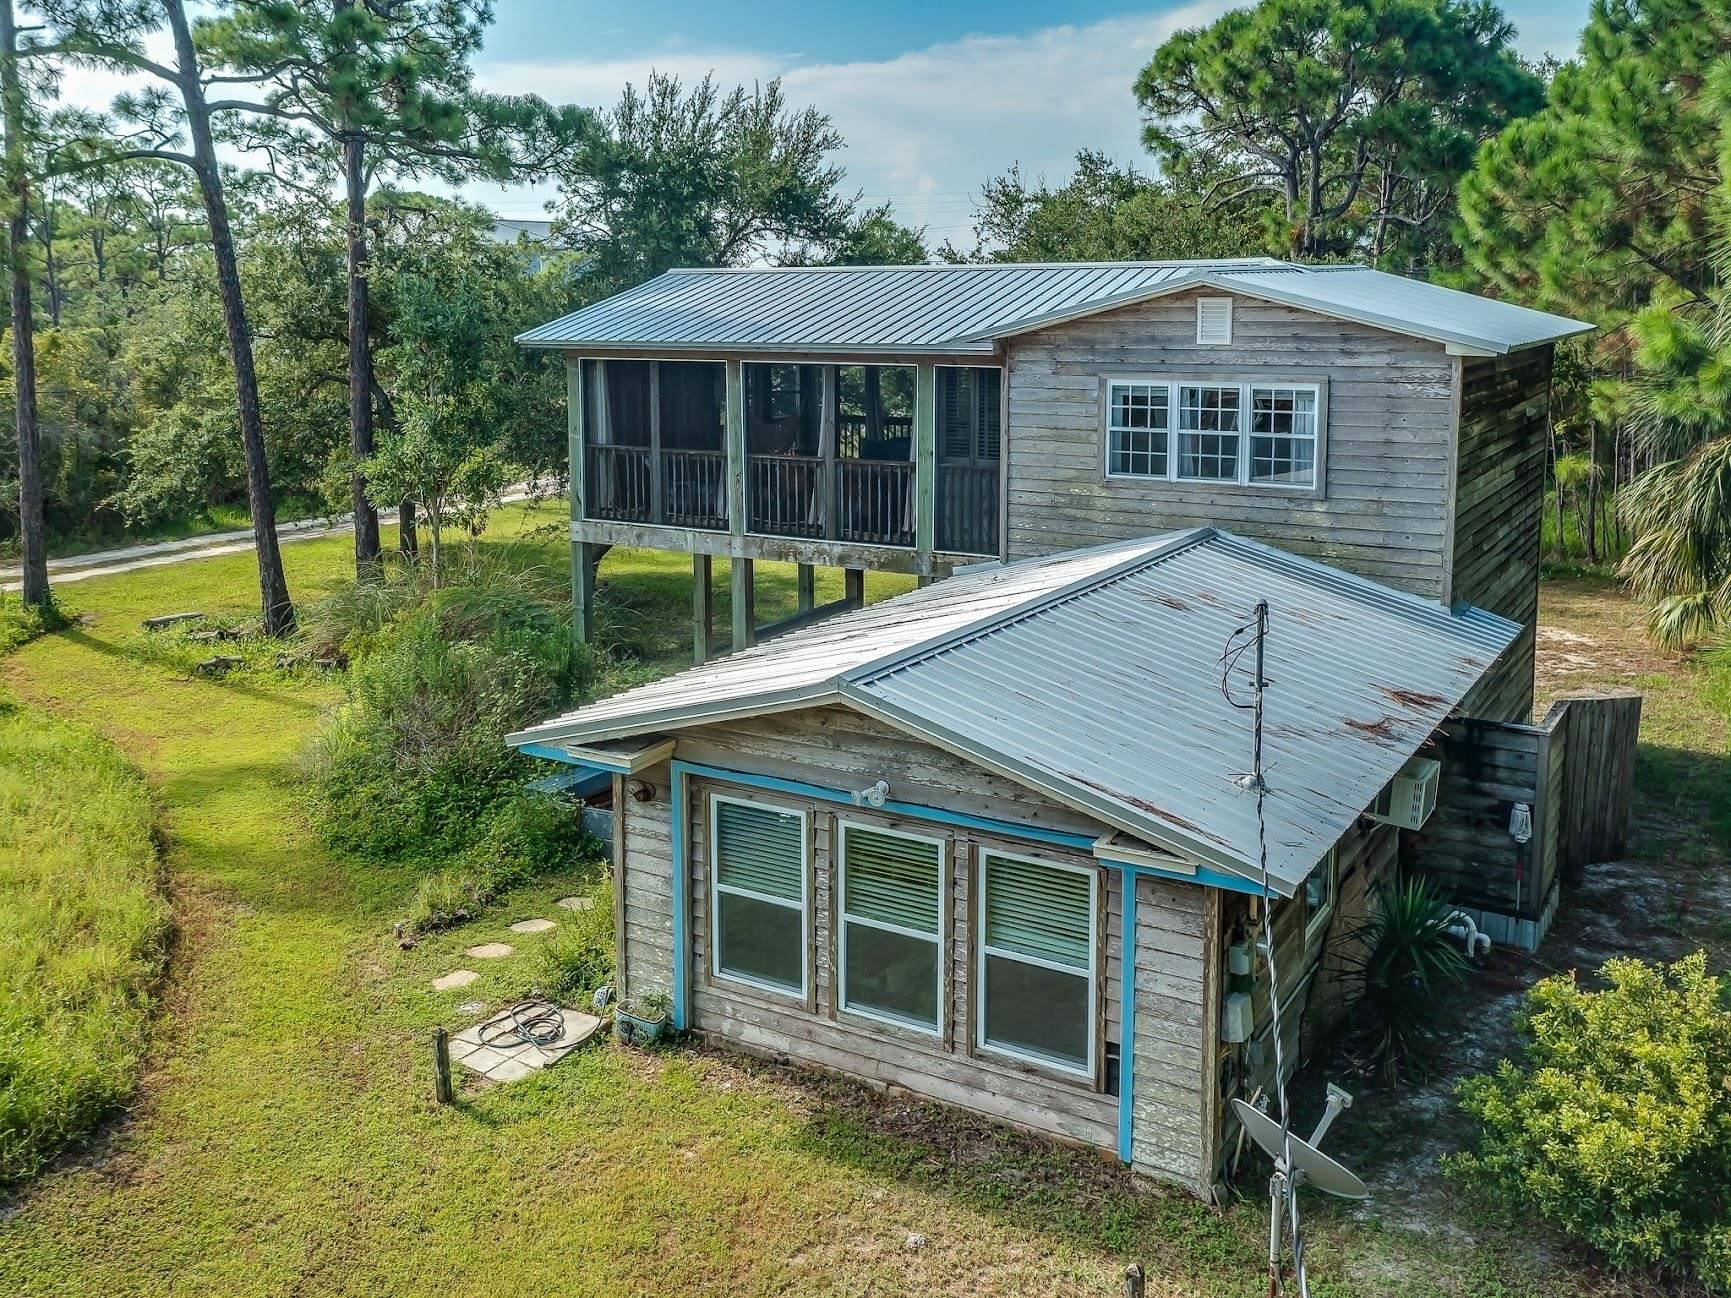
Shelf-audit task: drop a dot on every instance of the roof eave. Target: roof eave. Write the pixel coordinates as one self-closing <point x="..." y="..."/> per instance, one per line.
<point x="966" y="347"/>
<point x="674" y="718"/>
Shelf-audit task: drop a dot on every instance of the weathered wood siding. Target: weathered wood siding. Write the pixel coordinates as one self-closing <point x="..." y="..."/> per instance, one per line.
<point x="1314" y="969"/>
<point x="1177" y="1026"/>
<point x="645" y="882"/>
<point x="1487" y="767"/>
<point x="1389" y="418"/>
<point x="839" y="749"/>
<point x="1505" y="412"/>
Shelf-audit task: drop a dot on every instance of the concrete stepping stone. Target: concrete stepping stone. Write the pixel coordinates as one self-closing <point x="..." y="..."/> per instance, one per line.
<point x="489" y="951"/>
<point x="576" y="903"/>
<point x="455" y="979"/>
<point x="533" y="925"/>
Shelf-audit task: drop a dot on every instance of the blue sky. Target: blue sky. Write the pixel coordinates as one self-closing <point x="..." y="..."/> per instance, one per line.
<point x="933" y="98"/>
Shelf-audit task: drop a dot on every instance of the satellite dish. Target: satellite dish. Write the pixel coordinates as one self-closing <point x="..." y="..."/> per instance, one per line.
<point x="1308" y="1162"/>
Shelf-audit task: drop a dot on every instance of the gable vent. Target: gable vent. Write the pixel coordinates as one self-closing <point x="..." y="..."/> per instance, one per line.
<point x="1214" y="320"/>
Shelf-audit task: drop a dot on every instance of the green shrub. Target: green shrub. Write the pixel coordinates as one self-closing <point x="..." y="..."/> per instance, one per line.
<point x="577" y="957"/>
<point x="447" y="898"/>
<point x="1616" y="1125"/>
<point x="416" y="764"/>
<point x="82" y="934"/>
<point x="1407" y="966"/>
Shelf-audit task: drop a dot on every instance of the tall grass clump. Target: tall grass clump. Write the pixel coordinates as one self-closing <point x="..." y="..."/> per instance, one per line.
<point x="83" y="932"/>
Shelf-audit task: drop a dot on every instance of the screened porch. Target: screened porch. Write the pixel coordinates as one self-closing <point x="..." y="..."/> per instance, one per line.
<point x="829" y="452"/>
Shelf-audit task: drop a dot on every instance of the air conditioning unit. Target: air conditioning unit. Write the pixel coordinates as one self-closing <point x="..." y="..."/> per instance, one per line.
<point x="1411" y="796"/>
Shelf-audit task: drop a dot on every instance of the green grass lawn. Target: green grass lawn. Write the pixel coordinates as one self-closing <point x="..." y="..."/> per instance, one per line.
<point x="83" y="933"/>
<point x="284" y="1139"/>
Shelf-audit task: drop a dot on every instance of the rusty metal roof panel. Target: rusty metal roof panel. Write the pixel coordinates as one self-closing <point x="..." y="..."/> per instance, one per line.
<point x="1094" y="677"/>
<point x="951" y="310"/>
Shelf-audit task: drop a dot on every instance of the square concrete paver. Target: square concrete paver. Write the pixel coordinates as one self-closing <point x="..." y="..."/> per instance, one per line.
<point x="488" y="951"/>
<point x="455" y="979"/>
<point x="488" y="1048"/>
<point x="533" y="925"/>
<point x="576" y="903"/>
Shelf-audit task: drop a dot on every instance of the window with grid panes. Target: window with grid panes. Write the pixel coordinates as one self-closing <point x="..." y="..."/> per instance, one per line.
<point x="1139" y="423"/>
<point x="1208" y="432"/>
<point x="1283" y="435"/>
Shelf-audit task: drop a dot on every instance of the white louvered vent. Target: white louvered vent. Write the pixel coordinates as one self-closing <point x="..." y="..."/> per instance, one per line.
<point x="1214" y="320"/>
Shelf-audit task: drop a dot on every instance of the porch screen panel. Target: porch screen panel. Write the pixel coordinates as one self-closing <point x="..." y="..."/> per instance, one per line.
<point x="892" y="899"/>
<point x="1037" y="961"/>
<point x="759" y="885"/>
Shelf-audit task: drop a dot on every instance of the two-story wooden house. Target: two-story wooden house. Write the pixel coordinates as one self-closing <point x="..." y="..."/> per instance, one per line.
<point x="920" y="418"/>
<point x="999" y="841"/>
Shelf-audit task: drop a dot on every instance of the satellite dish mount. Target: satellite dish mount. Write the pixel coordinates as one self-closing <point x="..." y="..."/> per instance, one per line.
<point x="1297" y="1161"/>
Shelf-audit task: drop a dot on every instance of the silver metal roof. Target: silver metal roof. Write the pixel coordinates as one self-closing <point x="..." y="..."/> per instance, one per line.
<point x="1093" y="677"/>
<point x="957" y="310"/>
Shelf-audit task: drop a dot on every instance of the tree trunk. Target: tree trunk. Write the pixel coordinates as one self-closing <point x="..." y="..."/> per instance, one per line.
<point x="279" y="613"/>
<point x="435" y="535"/>
<point x="408" y="543"/>
<point x="1557" y="481"/>
<point x="32" y="531"/>
<point x="1592" y="519"/>
<point x="360" y="358"/>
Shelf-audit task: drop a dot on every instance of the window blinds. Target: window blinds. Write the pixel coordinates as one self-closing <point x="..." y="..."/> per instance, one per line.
<point x="1038" y="910"/>
<point x="760" y="850"/>
<point x="892" y="880"/>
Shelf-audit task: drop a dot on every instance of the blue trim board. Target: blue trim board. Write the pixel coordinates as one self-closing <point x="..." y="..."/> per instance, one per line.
<point x="681" y="901"/>
<point x="553" y="754"/>
<point x="1127" y="1026"/>
<point x="1081" y="842"/>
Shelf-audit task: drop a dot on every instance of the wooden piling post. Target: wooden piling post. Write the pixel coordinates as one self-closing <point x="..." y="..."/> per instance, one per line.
<point x="442" y="1066"/>
<point x="1133" y="1283"/>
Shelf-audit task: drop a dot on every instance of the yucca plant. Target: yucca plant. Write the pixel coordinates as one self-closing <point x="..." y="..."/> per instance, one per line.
<point x="1406" y="965"/>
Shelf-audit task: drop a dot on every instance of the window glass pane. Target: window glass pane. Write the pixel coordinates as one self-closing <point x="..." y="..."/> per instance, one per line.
<point x="892" y="974"/>
<point x="761" y="849"/>
<point x="1037" y="1010"/>
<point x="1038" y="910"/>
<point x="1208" y="419"/>
<point x="891" y="879"/>
<point x="1283" y="435"/>
<point x="1138" y="418"/>
<point x="761" y="940"/>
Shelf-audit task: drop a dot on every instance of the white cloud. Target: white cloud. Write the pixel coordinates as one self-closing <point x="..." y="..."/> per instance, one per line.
<point x="926" y="128"/>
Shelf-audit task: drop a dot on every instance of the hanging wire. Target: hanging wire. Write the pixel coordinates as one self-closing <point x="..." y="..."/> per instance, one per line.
<point x="1250" y="637"/>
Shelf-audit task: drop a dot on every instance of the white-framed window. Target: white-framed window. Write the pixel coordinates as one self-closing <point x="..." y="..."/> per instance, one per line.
<point x="758" y="911"/>
<point x="1256" y="434"/>
<point x="1210" y="427"/>
<point x="1283" y="434"/>
<point x="1036" y="980"/>
<point x="891" y="886"/>
<point x="1138" y="429"/>
<point x="1317" y="894"/>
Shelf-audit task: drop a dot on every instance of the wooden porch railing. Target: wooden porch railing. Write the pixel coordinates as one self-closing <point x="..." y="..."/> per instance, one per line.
<point x="877" y="501"/>
<point x="789" y="495"/>
<point x="619" y="486"/>
<point x="785" y="494"/>
<point x="616" y="483"/>
<point x="694" y="489"/>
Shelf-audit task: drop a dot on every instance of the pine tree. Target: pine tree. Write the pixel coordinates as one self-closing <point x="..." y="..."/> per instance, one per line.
<point x="387" y="86"/>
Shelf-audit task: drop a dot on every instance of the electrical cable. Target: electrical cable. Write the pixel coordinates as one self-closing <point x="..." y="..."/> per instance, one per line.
<point x="533" y="1021"/>
<point x="1254" y="635"/>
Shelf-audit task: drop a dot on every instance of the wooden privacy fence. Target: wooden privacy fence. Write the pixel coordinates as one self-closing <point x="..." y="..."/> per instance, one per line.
<point x="1573" y="772"/>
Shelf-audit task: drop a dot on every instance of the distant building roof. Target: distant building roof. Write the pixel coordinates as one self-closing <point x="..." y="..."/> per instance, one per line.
<point x="1093" y="677"/>
<point x="508" y="230"/>
<point x="966" y="309"/>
